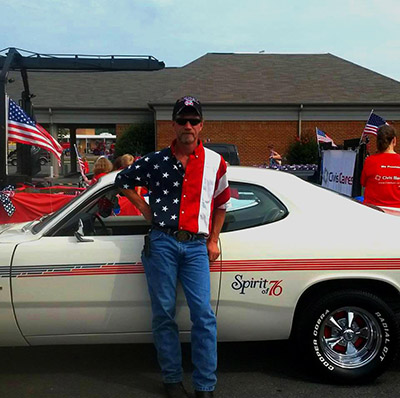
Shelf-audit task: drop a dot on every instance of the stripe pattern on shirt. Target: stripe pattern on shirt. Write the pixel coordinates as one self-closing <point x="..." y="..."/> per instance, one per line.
<point x="180" y="199"/>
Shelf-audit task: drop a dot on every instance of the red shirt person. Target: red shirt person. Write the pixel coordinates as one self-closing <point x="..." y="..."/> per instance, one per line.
<point x="381" y="172"/>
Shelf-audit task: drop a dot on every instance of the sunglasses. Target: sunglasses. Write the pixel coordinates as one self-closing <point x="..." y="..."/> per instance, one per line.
<point x="193" y="122"/>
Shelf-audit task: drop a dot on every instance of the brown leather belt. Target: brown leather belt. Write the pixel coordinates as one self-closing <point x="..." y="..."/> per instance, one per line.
<point x="179" y="234"/>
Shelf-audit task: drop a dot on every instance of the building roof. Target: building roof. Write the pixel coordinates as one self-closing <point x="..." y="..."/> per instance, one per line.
<point x="227" y="78"/>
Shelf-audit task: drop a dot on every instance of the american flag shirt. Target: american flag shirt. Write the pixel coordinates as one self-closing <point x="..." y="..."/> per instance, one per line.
<point x="180" y="199"/>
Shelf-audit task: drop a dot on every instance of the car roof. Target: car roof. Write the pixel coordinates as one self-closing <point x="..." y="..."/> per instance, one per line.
<point x="293" y="191"/>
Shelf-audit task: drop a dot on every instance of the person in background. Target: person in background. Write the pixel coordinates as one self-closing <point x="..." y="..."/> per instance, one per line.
<point x="381" y="172"/>
<point x="187" y="214"/>
<point x="275" y="159"/>
<point x="127" y="160"/>
<point x="117" y="163"/>
<point x="85" y="165"/>
<point x="101" y="167"/>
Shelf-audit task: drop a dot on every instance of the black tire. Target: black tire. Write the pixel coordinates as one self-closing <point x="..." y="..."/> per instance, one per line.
<point x="348" y="336"/>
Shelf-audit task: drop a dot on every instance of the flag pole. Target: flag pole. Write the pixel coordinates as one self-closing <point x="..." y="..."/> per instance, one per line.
<point x="6" y="137"/>
<point x="316" y="134"/>
<point x="362" y="134"/>
<point x="77" y="158"/>
<point x="85" y="179"/>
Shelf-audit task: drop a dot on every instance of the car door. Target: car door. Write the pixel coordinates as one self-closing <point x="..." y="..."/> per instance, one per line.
<point x="70" y="288"/>
<point x="252" y="303"/>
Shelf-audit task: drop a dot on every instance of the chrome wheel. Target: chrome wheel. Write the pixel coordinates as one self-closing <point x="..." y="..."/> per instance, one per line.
<point x="350" y="337"/>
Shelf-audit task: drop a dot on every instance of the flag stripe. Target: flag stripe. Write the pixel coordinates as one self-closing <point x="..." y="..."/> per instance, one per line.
<point x="373" y="123"/>
<point x="23" y="129"/>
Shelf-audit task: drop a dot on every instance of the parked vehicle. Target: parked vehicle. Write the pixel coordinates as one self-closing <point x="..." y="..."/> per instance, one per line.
<point x="327" y="277"/>
<point x="44" y="158"/>
<point x="228" y="151"/>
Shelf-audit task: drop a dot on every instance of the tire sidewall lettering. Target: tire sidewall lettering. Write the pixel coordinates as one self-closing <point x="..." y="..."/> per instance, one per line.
<point x="386" y="335"/>
<point x="316" y="347"/>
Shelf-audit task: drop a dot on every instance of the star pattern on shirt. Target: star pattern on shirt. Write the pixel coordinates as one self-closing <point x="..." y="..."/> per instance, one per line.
<point x="162" y="174"/>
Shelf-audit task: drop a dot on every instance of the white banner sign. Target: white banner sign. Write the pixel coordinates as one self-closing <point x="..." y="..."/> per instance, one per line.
<point x="338" y="170"/>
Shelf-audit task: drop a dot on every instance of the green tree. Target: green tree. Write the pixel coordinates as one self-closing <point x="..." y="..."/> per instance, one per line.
<point x="137" y="139"/>
<point x="303" y="151"/>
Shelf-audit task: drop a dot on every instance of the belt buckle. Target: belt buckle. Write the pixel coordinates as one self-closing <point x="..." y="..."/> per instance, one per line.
<point x="182" y="236"/>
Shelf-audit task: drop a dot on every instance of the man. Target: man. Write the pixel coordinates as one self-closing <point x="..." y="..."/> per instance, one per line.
<point x="188" y="196"/>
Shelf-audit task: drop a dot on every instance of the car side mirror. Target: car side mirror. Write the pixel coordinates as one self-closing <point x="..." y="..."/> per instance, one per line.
<point x="79" y="234"/>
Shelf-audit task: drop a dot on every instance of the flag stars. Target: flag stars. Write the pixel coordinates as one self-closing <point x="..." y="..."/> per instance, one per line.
<point x="165" y="191"/>
<point x="176" y="201"/>
<point x="173" y="217"/>
<point x="166" y="158"/>
<point x="162" y="224"/>
<point x="137" y="166"/>
<point x="126" y="186"/>
<point x="165" y="175"/>
<point x="164" y="208"/>
<point x="158" y="200"/>
<point x="146" y="159"/>
<point x="176" y="184"/>
<point x="137" y="178"/>
<point x="156" y="167"/>
<point x="157" y="183"/>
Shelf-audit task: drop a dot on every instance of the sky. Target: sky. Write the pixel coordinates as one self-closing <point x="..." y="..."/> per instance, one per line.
<point x="365" y="32"/>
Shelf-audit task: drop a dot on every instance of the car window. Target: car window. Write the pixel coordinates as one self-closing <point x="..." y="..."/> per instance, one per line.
<point x="252" y="205"/>
<point x="106" y="213"/>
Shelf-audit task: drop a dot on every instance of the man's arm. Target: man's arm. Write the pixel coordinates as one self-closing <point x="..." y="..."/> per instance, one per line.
<point x="139" y="202"/>
<point x="218" y="219"/>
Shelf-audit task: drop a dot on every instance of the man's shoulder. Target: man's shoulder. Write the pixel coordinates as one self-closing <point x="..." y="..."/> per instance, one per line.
<point x="214" y="154"/>
<point x="155" y="154"/>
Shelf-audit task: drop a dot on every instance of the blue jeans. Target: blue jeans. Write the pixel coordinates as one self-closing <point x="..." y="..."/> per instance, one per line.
<point x="170" y="260"/>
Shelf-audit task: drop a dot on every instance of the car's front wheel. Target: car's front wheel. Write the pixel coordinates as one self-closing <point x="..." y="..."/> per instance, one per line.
<point x="349" y="335"/>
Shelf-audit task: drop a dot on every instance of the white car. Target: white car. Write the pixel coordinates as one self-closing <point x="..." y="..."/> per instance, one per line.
<point x="296" y="261"/>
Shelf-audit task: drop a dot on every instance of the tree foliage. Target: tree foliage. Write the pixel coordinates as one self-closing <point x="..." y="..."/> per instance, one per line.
<point x="137" y="139"/>
<point x="303" y="151"/>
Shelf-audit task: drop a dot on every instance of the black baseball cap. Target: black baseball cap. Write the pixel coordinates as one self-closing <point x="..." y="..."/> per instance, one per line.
<point x="187" y="102"/>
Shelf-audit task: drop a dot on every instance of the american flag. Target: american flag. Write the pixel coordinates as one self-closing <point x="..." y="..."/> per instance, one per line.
<point x="23" y="129"/>
<point x="80" y="162"/>
<point x="323" y="137"/>
<point x="373" y="123"/>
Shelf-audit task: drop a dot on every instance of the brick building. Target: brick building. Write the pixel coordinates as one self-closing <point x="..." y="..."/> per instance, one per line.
<point x="251" y="100"/>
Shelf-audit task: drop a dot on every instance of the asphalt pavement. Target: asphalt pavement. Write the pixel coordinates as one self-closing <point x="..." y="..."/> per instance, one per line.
<point x="246" y="370"/>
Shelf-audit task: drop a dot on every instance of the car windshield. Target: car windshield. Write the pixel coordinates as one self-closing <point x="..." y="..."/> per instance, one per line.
<point x="38" y="224"/>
